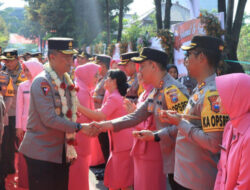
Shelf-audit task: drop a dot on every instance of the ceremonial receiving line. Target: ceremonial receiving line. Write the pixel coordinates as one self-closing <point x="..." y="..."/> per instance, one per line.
<point x="149" y="127"/>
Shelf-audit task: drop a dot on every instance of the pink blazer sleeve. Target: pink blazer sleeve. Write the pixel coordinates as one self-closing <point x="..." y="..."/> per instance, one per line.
<point x="19" y="107"/>
<point x="109" y="106"/>
<point x="85" y="100"/>
<point x="243" y="181"/>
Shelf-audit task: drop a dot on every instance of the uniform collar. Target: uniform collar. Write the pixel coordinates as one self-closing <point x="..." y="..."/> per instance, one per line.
<point x="206" y="81"/>
<point x="163" y="81"/>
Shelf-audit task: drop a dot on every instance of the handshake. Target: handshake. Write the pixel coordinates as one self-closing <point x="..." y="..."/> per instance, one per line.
<point x="95" y="128"/>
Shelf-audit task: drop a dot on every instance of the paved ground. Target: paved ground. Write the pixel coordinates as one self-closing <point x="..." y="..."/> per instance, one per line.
<point x="93" y="183"/>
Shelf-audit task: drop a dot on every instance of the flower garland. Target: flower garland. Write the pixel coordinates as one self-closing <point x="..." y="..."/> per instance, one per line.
<point x="67" y="112"/>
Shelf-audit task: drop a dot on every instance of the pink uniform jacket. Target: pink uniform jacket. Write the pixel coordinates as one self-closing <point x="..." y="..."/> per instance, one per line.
<point x="119" y="168"/>
<point x="23" y="94"/>
<point x="79" y="170"/>
<point x="234" y="165"/>
<point x="22" y="112"/>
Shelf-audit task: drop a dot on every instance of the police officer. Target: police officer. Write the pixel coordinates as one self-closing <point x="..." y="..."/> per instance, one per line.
<point x="167" y="94"/>
<point x="14" y="70"/>
<point x="104" y="62"/>
<point x="83" y="58"/>
<point x="198" y="141"/>
<point x="39" y="56"/>
<point x="129" y="68"/>
<point x="52" y="111"/>
<point x="2" y="114"/>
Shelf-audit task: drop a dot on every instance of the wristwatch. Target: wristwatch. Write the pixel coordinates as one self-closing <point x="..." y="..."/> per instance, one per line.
<point x="78" y="127"/>
<point x="156" y="137"/>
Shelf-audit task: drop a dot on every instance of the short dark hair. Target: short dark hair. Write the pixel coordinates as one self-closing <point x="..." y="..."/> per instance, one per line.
<point x="121" y="80"/>
<point x="51" y="51"/>
<point x="213" y="57"/>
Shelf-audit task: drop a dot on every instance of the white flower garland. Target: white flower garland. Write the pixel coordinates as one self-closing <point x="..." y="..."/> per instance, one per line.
<point x="70" y="152"/>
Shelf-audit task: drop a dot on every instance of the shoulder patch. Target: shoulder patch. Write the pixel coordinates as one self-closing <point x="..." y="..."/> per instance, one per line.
<point x="212" y="117"/>
<point x="45" y="88"/>
<point x="175" y="99"/>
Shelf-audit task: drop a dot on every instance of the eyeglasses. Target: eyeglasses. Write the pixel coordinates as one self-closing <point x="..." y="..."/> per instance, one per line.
<point x="188" y="53"/>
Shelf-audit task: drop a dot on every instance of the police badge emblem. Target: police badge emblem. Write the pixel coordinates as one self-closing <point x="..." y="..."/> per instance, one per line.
<point x="214" y="103"/>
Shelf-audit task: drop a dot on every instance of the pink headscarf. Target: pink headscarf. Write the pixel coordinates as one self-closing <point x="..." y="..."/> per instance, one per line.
<point x="34" y="67"/>
<point x="84" y="75"/>
<point x="234" y="90"/>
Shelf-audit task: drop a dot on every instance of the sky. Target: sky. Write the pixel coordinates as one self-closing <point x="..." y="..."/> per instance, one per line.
<point x="135" y="7"/>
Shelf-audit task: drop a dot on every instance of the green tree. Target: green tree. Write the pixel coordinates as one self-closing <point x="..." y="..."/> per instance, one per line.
<point x="244" y="44"/>
<point x="4" y="34"/>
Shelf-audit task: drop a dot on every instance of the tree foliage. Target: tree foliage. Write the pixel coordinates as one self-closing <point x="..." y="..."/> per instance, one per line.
<point x="244" y="44"/>
<point x="4" y="34"/>
<point x="83" y="20"/>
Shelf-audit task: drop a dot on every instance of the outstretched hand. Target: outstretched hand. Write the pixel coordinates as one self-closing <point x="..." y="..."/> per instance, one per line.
<point x="90" y="130"/>
<point x="103" y="126"/>
<point x="129" y="106"/>
<point x="169" y="116"/>
<point x="144" y="135"/>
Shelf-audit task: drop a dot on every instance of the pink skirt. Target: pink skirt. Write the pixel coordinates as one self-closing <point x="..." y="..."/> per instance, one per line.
<point x="119" y="171"/>
<point x="149" y="175"/>
<point x="96" y="157"/>
<point x="79" y="174"/>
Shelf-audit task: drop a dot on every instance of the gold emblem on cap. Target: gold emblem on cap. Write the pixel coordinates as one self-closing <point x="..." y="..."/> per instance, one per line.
<point x="70" y="45"/>
<point x="8" y="54"/>
<point x="221" y="47"/>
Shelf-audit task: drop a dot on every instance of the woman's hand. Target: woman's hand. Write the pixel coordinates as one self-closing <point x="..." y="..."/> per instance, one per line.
<point x="19" y="133"/>
<point x="129" y="106"/>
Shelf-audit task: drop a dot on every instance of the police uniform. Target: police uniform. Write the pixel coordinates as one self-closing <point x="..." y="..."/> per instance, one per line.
<point x="99" y="94"/>
<point x="38" y="55"/>
<point x="171" y="95"/>
<point x="7" y="91"/>
<point x="17" y="76"/>
<point x="44" y="142"/>
<point x="99" y="91"/>
<point x="2" y="113"/>
<point x="132" y="92"/>
<point x="197" y="144"/>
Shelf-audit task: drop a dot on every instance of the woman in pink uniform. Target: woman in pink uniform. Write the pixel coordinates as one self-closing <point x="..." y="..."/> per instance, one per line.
<point x="148" y="164"/>
<point x="31" y="69"/>
<point x="86" y="78"/>
<point x="119" y="169"/>
<point x="234" y="165"/>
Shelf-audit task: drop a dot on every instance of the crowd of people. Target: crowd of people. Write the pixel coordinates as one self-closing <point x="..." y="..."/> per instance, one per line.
<point x="134" y="120"/>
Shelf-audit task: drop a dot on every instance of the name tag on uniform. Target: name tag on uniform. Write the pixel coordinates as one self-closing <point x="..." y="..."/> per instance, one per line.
<point x="211" y="116"/>
<point x="175" y="99"/>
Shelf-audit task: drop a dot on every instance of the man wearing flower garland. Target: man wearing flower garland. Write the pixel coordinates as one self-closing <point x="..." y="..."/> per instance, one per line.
<point x="48" y="142"/>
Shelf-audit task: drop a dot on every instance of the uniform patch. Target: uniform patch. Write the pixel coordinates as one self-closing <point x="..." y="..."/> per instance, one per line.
<point x="212" y="118"/>
<point x="215" y="105"/>
<point x="175" y="99"/>
<point x="45" y="88"/>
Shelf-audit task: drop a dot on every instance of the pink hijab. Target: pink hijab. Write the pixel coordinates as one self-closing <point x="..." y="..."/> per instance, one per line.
<point x="234" y="90"/>
<point x="34" y="67"/>
<point x="84" y="75"/>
